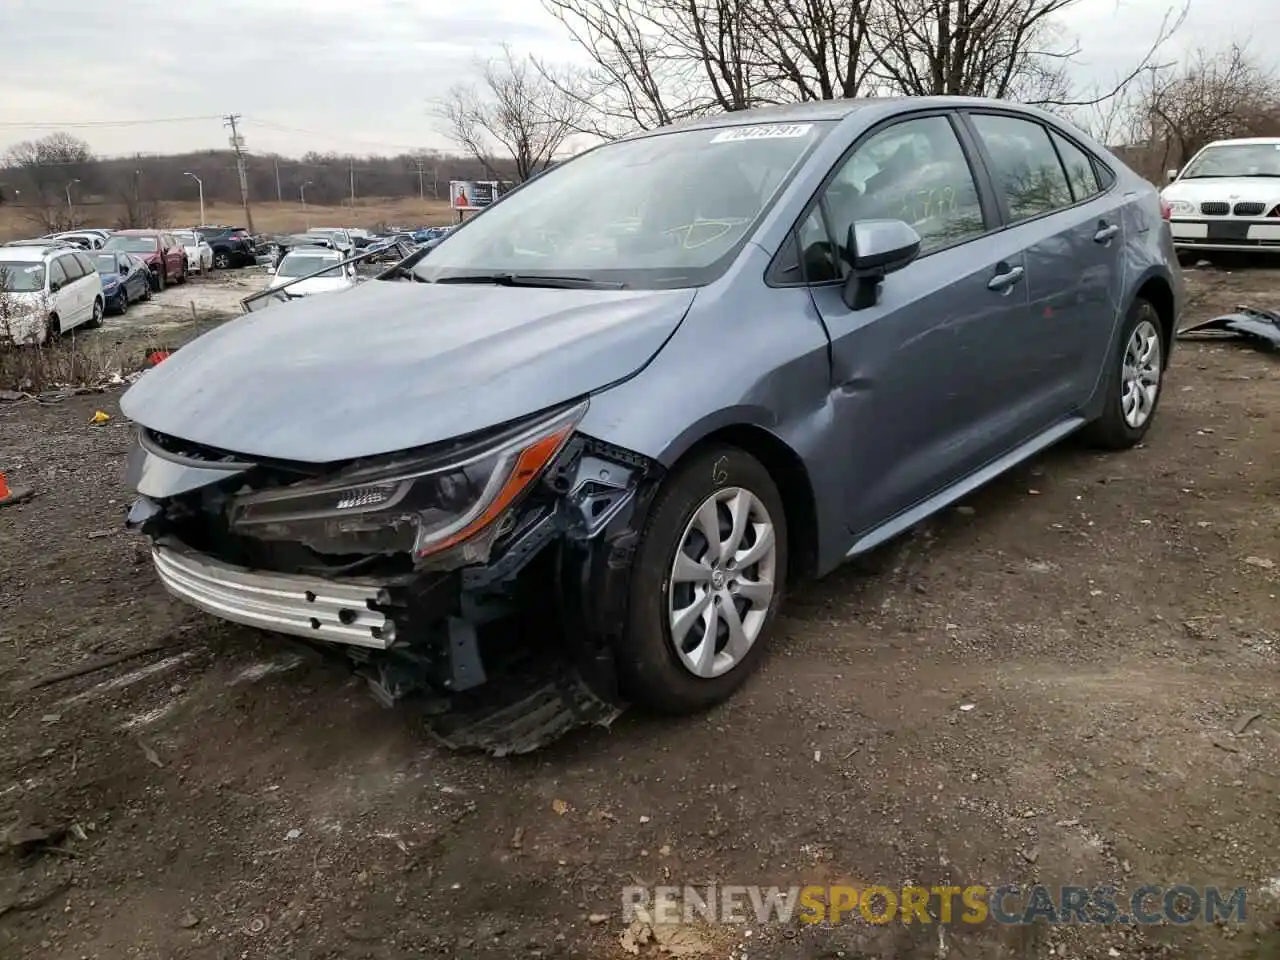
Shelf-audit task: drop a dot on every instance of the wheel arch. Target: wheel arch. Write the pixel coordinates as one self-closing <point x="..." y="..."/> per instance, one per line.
<point x="1157" y="290"/>
<point x="788" y="472"/>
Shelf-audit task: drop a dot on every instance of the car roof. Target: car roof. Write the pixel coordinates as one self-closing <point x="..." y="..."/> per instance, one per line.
<point x="30" y="253"/>
<point x="141" y="232"/>
<point x="1246" y="141"/>
<point x="829" y="110"/>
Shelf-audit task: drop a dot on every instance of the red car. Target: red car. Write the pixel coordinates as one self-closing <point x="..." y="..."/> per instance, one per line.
<point x="158" y="249"/>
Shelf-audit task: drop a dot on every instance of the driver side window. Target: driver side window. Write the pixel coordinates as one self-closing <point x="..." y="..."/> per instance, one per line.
<point x="914" y="171"/>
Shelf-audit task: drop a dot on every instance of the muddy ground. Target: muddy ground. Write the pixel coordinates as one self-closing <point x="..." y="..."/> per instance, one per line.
<point x="1111" y="620"/>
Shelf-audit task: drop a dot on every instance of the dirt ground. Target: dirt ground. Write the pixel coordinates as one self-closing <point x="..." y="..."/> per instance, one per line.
<point x="1111" y="620"/>
<point x="16" y="221"/>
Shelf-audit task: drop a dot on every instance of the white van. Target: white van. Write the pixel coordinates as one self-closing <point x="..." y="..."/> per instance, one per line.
<point x="46" y="291"/>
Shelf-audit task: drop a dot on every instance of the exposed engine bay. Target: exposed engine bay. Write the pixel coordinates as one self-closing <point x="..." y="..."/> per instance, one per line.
<point x="484" y="579"/>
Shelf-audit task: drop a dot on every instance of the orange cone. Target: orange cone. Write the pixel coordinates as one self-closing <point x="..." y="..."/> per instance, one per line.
<point x="10" y="494"/>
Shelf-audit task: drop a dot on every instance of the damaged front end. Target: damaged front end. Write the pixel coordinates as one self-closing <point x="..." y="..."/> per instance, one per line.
<point x="486" y="577"/>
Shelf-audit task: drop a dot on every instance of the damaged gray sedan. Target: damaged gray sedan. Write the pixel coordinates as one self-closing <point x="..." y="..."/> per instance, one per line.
<point x="572" y="458"/>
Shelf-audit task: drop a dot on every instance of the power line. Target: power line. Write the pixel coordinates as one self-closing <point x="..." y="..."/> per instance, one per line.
<point x="285" y="128"/>
<point x="79" y="124"/>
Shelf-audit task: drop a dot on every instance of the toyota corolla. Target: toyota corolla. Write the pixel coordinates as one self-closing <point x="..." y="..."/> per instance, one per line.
<point x="574" y="458"/>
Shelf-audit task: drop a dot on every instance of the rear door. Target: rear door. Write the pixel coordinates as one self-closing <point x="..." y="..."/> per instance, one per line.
<point x="92" y="281"/>
<point x="1072" y="232"/>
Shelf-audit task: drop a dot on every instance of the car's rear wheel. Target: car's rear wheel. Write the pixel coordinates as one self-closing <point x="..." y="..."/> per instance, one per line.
<point x="1134" y="377"/>
<point x="706" y="582"/>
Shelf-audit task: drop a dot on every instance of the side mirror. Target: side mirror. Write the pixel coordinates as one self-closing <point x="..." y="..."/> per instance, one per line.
<point x="1172" y="175"/>
<point x="54" y="286"/>
<point x="874" y="249"/>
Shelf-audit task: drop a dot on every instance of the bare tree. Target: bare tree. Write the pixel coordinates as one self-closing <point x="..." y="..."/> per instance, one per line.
<point x="659" y="61"/>
<point x="1210" y="97"/>
<point x="515" y="109"/>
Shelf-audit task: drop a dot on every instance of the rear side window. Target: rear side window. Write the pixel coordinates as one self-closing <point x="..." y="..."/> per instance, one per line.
<point x="71" y="267"/>
<point x="1080" y="170"/>
<point x="1025" y="165"/>
<point x="56" y="274"/>
<point x="86" y="263"/>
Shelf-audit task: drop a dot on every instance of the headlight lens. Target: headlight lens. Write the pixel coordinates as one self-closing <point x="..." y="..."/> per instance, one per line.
<point x="1181" y="206"/>
<point x="425" y="507"/>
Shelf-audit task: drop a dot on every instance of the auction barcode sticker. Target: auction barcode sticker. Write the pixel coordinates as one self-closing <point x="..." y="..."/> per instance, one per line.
<point x="770" y="131"/>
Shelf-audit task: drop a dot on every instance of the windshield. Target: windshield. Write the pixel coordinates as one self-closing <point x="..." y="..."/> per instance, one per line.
<point x="662" y="211"/>
<point x="1235" y="160"/>
<point x="186" y="239"/>
<point x="132" y="244"/>
<point x="303" y="265"/>
<point x="106" y="263"/>
<point x="21" y="277"/>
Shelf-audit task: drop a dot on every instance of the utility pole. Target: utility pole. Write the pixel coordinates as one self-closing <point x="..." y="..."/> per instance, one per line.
<point x="237" y="144"/>
<point x="279" y="197"/>
<point x="421" y="195"/>
<point x="353" y="184"/>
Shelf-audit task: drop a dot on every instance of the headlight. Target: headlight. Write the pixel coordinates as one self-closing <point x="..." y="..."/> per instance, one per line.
<point x="423" y="506"/>
<point x="1181" y="206"/>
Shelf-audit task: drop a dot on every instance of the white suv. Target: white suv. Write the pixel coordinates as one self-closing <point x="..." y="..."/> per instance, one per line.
<point x="46" y="291"/>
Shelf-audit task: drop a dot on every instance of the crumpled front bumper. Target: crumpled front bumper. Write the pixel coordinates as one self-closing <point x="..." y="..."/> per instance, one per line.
<point x="303" y="606"/>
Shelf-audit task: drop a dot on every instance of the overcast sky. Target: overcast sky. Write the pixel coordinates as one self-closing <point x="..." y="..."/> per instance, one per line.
<point x="358" y="77"/>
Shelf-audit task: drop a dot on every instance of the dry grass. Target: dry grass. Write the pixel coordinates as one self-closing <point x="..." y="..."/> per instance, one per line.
<point x="267" y="217"/>
<point x="68" y="362"/>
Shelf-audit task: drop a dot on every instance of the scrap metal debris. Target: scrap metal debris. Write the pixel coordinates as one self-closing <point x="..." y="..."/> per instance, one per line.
<point x="526" y="721"/>
<point x="1257" y="327"/>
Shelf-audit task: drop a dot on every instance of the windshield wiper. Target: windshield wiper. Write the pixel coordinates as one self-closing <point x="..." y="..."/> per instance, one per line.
<point x="527" y="280"/>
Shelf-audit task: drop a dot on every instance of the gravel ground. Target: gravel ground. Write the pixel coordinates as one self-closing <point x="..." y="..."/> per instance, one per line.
<point x="1109" y="621"/>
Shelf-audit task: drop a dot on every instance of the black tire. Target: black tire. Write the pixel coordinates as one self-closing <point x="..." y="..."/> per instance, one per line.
<point x="181" y="277"/>
<point x="146" y="290"/>
<point x="162" y="281"/>
<point x="95" y="321"/>
<point x="1111" y="431"/>
<point x="221" y="260"/>
<point x="52" y="328"/>
<point x="649" y="668"/>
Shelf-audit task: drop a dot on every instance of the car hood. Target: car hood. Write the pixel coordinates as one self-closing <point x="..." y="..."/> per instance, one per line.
<point x="1228" y="189"/>
<point x="314" y="285"/>
<point x="393" y="365"/>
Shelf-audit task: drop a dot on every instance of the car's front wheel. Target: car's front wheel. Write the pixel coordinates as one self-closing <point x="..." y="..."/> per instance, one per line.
<point x="706" y="582"/>
<point x="95" y="319"/>
<point x="1134" y="380"/>
<point x="122" y="301"/>
<point x="221" y="260"/>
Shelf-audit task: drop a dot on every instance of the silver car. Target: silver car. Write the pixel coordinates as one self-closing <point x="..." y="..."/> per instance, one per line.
<point x="585" y="446"/>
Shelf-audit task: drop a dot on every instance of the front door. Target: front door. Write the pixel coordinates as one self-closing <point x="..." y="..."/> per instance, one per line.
<point x="928" y="389"/>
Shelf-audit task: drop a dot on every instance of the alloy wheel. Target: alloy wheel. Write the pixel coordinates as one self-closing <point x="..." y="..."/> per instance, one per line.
<point x="1140" y="374"/>
<point x="722" y="582"/>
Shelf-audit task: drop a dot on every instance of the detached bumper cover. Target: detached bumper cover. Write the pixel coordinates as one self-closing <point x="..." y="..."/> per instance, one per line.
<point x="309" y="607"/>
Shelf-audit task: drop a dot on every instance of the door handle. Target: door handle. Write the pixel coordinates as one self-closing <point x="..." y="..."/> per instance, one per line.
<point x="1105" y="233"/>
<point x="1003" y="282"/>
